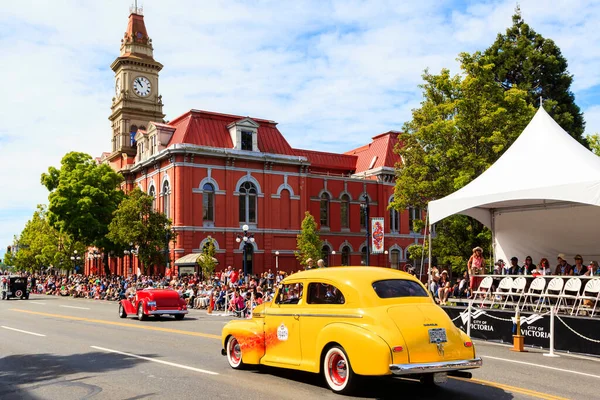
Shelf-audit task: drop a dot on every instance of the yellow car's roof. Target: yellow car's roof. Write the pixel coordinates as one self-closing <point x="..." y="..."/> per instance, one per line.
<point x="345" y="273"/>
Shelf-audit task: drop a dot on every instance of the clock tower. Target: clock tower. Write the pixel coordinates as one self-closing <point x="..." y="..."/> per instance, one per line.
<point x="137" y="100"/>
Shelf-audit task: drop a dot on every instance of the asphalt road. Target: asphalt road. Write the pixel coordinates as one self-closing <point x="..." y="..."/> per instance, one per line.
<point x="63" y="348"/>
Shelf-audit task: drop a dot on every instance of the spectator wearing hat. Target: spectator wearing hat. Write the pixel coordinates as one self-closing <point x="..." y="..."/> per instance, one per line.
<point x="499" y="267"/>
<point x="563" y="268"/>
<point x="514" y="266"/>
<point x="578" y="268"/>
<point x="592" y="269"/>
<point x="444" y="288"/>
<point x="309" y="263"/>
<point x="475" y="267"/>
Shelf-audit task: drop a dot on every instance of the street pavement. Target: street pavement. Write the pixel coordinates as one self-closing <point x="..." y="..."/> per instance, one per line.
<point x="63" y="348"/>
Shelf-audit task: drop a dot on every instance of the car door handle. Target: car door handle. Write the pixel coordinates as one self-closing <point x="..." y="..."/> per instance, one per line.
<point x="296" y="316"/>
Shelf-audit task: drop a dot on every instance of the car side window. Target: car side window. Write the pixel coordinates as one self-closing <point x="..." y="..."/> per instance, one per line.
<point x="324" y="293"/>
<point x="290" y="294"/>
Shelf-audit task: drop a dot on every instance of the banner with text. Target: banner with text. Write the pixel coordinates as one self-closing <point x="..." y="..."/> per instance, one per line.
<point x="377" y="235"/>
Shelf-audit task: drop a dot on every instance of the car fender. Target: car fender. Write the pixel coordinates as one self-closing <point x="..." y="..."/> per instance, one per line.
<point x="368" y="353"/>
<point x="250" y="336"/>
<point x="128" y="307"/>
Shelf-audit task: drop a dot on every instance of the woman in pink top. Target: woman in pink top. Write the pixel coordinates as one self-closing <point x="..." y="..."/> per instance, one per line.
<point x="475" y="266"/>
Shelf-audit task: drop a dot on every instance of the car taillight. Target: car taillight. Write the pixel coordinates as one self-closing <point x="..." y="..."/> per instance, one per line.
<point x="468" y="344"/>
<point x="397" y="349"/>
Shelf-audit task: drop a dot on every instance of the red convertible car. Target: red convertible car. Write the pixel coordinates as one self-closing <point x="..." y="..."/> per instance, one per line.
<point x="153" y="302"/>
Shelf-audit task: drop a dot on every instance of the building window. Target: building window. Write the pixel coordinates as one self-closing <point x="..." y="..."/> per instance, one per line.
<point x="345" y="211"/>
<point x="246" y="140"/>
<point x="363" y="255"/>
<point x="325" y="210"/>
<point x="346" y="255"/>
<point x="325" y="252"/>
<point x="166" y="199"/>
<point x="394" y="220"/>
<point x="413" y="215"/>
<point x="248" y="203"/>
<point x="133" y="129"/>
<point x="208" y="202"/>
<point x="152" y="193"/>
<point x="395" y="259"/>
<point x="363" y="216"/>
<point x="152" y="145"/>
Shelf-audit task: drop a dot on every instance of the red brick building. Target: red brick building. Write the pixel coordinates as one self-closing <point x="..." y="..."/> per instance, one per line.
<point x="212" y="173"/>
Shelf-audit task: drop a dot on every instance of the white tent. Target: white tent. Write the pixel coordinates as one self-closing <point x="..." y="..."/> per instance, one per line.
<point x="540" y="198"/>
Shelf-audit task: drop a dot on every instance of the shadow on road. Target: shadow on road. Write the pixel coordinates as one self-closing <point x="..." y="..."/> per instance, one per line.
<point x="394" y="388"/>
<point x="20" y="374"/>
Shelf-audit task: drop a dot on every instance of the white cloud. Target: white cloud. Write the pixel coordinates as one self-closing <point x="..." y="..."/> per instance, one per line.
<point x="332" y="73"/>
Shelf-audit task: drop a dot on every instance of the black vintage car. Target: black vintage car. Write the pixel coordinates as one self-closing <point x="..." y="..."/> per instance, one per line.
<point x="15" y="286"/>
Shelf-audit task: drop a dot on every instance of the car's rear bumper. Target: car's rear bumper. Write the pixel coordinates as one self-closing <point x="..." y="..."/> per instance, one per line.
<point x="444" y="366"/>
<point x="162" y="312"/>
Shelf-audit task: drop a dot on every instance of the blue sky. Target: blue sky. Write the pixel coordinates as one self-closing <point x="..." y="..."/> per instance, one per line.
<point x="331" y="73"/>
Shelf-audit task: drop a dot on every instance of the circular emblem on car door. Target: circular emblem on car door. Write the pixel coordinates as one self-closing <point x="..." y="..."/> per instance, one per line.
<point x="282" y="332"/>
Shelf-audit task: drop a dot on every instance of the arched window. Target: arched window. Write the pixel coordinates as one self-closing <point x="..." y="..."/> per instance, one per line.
<point x="394" y="220"/>
<point x="345" y="255"/>
<point x="152" y="193"/>
<point x="286" y="209"/>
<point x="325" y="253"/>
<point x="166" y="199"/>
<point x="325" y="209"/>
<point x="345" y="211"/>
<point x="395" y="258"/>
<point x="208" y="202"/>
<point x="248" y="203"/>
<point x="413" y="214"/>
<point x="363" y="217"/>
<point x="363" y="255"/>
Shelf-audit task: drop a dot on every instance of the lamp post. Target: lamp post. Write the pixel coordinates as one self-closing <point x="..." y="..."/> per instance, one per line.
<point x="247" y="238"/>
<point x="130" y="252"/>
<point x="168" y="236"/>
<point x="332" y="257"/>
<point x="386" y="258"/>
<point x="75" y="258"/>
<point x="365" y="208"/>
<point x="277" y="261"/>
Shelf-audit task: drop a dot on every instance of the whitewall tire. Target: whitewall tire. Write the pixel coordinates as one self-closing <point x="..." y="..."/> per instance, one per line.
<point x="337" y="370"/>
<point x="234" y="353"/>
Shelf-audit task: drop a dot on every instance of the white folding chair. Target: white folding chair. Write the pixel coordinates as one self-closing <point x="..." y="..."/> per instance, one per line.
<point x="591" y="292"/>
<point x="569" y="292"/>
<point x="504" y="289"/>
<point x="518" y="289"/>
<point x="536" y="290"/>
<point x="484" y="288"/>
<point x="555" y="285"/>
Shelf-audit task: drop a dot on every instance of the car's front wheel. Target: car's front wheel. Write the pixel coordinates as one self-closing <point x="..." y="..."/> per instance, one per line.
<point x="122" y="313"/>
<point x="337" y="370"/>
<point x="140" y="313"/>
<point x="234" y="353"/>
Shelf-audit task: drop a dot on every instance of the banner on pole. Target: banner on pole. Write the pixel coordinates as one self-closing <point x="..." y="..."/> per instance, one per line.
<point x="377" y="235"/>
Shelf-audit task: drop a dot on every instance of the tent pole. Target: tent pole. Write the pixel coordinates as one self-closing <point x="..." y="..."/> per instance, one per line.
<point x="429" y="256"/>
<point x="493" y="220"/>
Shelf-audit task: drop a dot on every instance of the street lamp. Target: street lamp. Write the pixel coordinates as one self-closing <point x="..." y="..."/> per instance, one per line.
<point x="277" y="261"/>
<point x="365" y="207"/>
<point x="386" y="258"/>
<point x="247" y="238"/>
<point x="333" y="257"/>
<point x="130" y="253"/>
<point x="75" y="258"/>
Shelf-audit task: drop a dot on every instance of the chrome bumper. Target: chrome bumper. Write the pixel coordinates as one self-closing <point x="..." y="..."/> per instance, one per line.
<point x="160" y="312"/>
<point x="444" y="366"/>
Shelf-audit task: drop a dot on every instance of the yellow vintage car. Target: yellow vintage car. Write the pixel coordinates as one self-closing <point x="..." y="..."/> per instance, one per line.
<point x="347" y="322"/>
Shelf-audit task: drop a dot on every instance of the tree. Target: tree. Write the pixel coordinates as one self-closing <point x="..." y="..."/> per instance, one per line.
<point x="594" y="142"/>
<point x="308" y="243"/>
<point x="463" y="126"/>
<point x="83" y="197"/>
<point x="525" y="59"/>
<point x="207" y="261"/>
<point x="135" y="221"/>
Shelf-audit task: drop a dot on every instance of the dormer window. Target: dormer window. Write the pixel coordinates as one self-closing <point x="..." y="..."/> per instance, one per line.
<point x="244" y="134"/>
<point x="247" y="140"/>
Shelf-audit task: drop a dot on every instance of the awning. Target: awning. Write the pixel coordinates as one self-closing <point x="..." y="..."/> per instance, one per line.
<point x="191" y="259"/>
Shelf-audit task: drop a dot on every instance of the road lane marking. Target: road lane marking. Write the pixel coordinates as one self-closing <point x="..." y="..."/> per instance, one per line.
<point x="536" y="350"/>
<point x="542" y="366"/>
<point x="512" y="389"/>
<point x="203" y="371"/>
<point x="36" y="302"/>
<point x="135" y="326"/>
<point x="19" y="330"/>
<point x="79" y="308"/>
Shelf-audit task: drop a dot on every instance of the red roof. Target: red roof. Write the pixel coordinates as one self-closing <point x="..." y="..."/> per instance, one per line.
<point x="205" y="128"/>
<point x="136" y="29"/>
<point x="378" y="153"/>
<point x="323" y="161"/>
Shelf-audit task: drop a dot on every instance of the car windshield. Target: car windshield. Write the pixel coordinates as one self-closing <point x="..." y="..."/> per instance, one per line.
<point x="391" y="288"/>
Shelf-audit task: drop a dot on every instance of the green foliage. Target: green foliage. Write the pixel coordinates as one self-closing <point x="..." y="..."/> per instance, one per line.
<point x="525" y="59"/>
<point x="135" y="221"/>
<point x="594" y="143"/>
<point x="308" y="243"/>
<point x="207" y="261"/>
<point x="83" y="197"/>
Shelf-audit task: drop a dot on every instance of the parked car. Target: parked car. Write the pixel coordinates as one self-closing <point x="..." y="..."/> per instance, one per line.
<point x="153" y="302"/>
<point x="14" y="286"/>
<point x="344" y="322"/>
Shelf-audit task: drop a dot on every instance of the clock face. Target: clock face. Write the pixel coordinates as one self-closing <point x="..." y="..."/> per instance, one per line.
<point x="141" y="86"/>
<point x="118" y="86"/>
